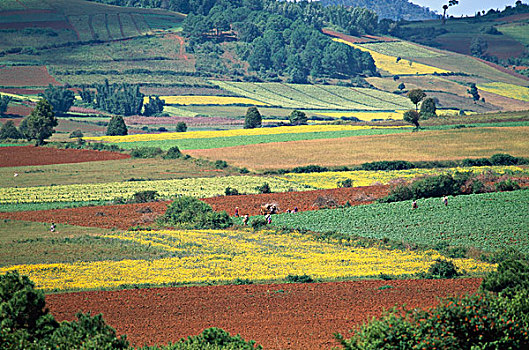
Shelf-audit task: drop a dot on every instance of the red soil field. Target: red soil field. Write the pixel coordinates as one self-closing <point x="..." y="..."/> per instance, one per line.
<point x="124" y="216"/>
<point x="17" y="109"/>
<point x="26" y="76"/>
<point x="276" y="316"/>
<point x="30" y="155"/>
<point x="307" y="200"/>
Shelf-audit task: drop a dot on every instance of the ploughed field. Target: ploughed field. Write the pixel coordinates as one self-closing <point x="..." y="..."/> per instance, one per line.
<point x="277" y="316"/>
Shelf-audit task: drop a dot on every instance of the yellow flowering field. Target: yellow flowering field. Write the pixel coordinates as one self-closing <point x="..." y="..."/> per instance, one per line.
<point x="327" y="180"/>
<point x="196" y="187"/>
<point x="221" y="256"/>
<point x="507" y="90"/>
<point x="390" y="64"/>
<point x="208" y="100"/>
<point x="229" y="133"/>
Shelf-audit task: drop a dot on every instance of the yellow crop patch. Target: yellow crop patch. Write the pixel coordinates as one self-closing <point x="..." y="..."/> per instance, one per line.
<point x="507" y="90"/>
<point x="394" y="66"/>
<point x="221" y="255"/>
<point x="208" y="100"/>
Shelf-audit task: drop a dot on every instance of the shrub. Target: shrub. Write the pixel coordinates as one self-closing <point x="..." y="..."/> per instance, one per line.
<point x="172" y="153"/>
<point x="220" y="164"/>
<point x="264" y="188"/>
<point x="345" y="183"/>
<point x="511" y="276"/>
<point x="189" y="212"/>
<point x="507" y="185"/>
<point x="258" y="223"/>
<point x="117" y="127"/>
<point x="144" y="196"/>
<point x="309" y="169"/>
<point x="146" y="152"/>
<point x="397" y="194"/>
<point x="442" y="269"/>
<point x="76" y="133"/>
<point x="181" y="127"/>
<point x="388" y="165"/>
<point x="434" y="186"/>
<point x="231" y="191"/>
<point x="299" y="279"/>
<point x="503" y="159"/>
<point x="9" y="131"/>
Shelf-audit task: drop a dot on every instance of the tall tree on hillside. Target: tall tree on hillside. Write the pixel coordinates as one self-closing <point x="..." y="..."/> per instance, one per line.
<point x="39" y="124"/>
<point x="473" y="91"/>
<point x="60" y="97"/>
<point x="4" y="101"/>
<point x="412" y="117"/>
<point x="116" y="126"/>
<point x="252" y="119"/>
<point x="428" y="108"/>
<point x="445" y="7"/>
<point x="416" y="96"/>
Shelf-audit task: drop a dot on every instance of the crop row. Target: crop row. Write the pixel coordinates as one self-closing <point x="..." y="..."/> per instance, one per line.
<point x="317" y="96"/>
<point x="214" y="186"/>
<point x="230" y="133"/>
<point x="392" y="65"/>
<point x="217" y="256"/>
<point x="488" y="221"/>
<point x="508" y="90"/>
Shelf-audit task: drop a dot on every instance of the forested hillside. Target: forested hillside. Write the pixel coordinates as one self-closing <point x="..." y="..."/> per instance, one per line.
<point x="391" y="9"/>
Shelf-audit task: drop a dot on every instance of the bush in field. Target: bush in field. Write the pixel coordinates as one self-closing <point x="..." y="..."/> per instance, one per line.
<point x="210" y="339"/>
<point x="480" y="321"/>
<point x="231" y="191"/>
<point x="25" y="323"/>
<point x="153" y="107"/>
<point x="434" y="186"/>
<point x="146" y="152"/>
<point x="181" y="127"/>
<point x="264" y="188"/>
<point x="4" y="102"/>
<point x="116" y="126"/>
<point x="172" y="153"/>
<point x="220" y="164"/>
<point x="189" y="212"/>
<point x="345" y="183"/>
<point x="412" y="117"/>
<point x="504" y="159"/>
<point x="299" y="279"/>
<point x="442" y="269"/>
<point x="507" y="185"/>
<point x="511" y="276"/>
<point x="297" y="118"/>
<point x="258" y="223"/>
<point x="388" y="165"/>
<point x="145" y="196"/>
<point x="10" y="131"/>
<point x="252" y="119"/>
<point x="76" y="134"/>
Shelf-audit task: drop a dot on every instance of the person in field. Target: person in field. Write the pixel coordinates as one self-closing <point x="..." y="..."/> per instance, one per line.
<point x="445" y="201"/>
<point x="245" y="219"/>
<point x="268" y="218"/>
<point x="414" y="205"/>
<point x="236" y="211"/>
<point x="52" y="227"/>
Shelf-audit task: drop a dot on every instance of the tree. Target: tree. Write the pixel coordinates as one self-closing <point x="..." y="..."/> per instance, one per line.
<point x="412" y="117"/>
<point x="473" y="91"/>
<point x="61" y="98"/>
<point x="39" y="124"/>
<point x="297" y="118"/>
<point x="190" y="212"/>
<point x="401" y="86"/>
<point x="4" y="101"/>
<point x="252" y="119"/>
<point x="116" y="126"/>
<point x="428" y="108"/>
<point x="416" y="96"/>
<point x="153" y="107"/>
<point x="478" y="46"/>
<point x="10" y="131"/>
<point x="181" y="127"/>
<point x="445" y="7"/>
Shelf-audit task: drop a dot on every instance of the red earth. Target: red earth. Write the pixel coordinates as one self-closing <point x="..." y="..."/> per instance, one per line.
<point x="276" y="316"/>
<point x="26" y="76"/>
<point x="125" y="216"/>
<point x="30" y="155"/>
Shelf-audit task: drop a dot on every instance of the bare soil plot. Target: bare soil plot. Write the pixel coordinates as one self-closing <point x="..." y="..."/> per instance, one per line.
<point x="277" y="316"/>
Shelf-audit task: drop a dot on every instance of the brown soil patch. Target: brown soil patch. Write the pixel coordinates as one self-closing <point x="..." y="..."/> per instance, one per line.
<point x="30" y="155"/>
<point x="307" y="200"/>
<point x="26" y="76"/>
<point x="277" y="316"/>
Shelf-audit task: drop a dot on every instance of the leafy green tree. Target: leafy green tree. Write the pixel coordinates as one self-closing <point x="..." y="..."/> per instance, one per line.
<point x="4" y="101"/>
<point x="416" y="96"/>
<point x="511" y="276"/>
<point x="478" y="46"/>
<point x="181" y="127"/>
<point x="428" y="108"/>
<point x="39" y="124"/>
<point x="297" y="118"/>
<point x="60" y="97"/>
<point x="123" y="99"/>
<point x="473" y="91"/>
<point x="189" y="212"/>
<point x="10" y="131"/>
<point x="153" y="107"/>
<point x="116" y="126"/>
<point x="412" y="117"/>
<point x="252" y="119"/>
<point x="76" y="134"/>
<point x="86" y="95"/>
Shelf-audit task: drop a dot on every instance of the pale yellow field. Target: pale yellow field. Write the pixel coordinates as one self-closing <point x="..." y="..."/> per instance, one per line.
<point x="507" y="90"/>
<point x="208" y="100"/>
<point x="390" y="64"/>
<point x="412" y="146"/>
<point x="217" y="256"/>
<point x="366" y="116"/>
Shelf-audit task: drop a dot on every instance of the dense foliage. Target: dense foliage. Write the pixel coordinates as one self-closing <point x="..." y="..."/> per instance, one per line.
<point x="39" y="124"/>
<point x="4" y="102"/>
<point x="10" y="131"/>
<point x="123" y="99"/>
<point x="210" y="339"/>
<point x="297" y="118"/>
<point x="252" y="118"/>
<point x="116" y="126"/>
<point x="60" y="97"/>
<point x="154" y="106"/>
<point x="189" y="212"/>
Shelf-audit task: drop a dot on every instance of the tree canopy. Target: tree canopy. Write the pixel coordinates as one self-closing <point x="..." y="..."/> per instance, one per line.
<point x="39" y="124"/>
<point x="416" y="96"/>
<point x="60" y="97"/>
<point x="116" y="126"/>
<point x="252" y="119"/>
<point x="297" y="118"/>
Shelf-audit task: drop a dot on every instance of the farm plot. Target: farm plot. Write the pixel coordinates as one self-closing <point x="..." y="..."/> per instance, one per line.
<point x="208" y="100"/>
<point x="508" y="90"/>
<point x="25" y="76"/>
<point x="316" y="96"/>
<point x="392" y="65"/>
<point x="425" y="145"/>
<point x="276" y="316"/>
<point x="201" y="256"/>
<point x="485" y="221"/>
<point x="401" y="49"/>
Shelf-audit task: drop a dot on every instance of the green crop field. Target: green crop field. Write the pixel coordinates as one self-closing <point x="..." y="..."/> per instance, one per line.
<point x="486" y="221"/>
<point x="519" y="31"/>
<point x="402" y="49"/>
<point x="317" y="96"/>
